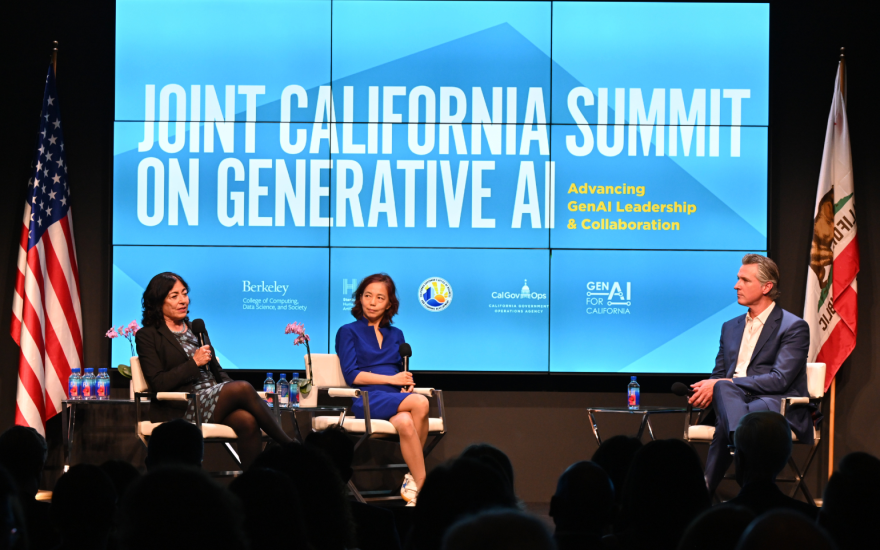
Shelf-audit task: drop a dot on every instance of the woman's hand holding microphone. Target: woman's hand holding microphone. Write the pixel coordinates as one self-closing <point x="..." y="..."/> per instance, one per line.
<point x="203" y="356"/>
<point x="404" y="379"/>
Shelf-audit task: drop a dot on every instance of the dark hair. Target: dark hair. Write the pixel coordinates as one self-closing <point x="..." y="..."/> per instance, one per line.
<point x="179" y="507"/>
<point x="334" y="441"/>
<point x="154" y="297"/>
<point x="270" y="498"/>
<point x="23" y="452"/>
<point x="175" y="442"/>
<point x="493" y="457"/>
<point x="84" y="488"/>
<point x="358" y="310"/>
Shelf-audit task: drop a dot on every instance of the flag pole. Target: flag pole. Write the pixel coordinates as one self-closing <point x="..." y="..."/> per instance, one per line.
<point x="54" y="57"/>
<point x="833" y="388"/>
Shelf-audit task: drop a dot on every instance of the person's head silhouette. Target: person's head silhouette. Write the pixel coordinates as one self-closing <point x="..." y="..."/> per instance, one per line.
<point x="327" y="514"/>
<point x="23" y="453"/>
<point x="336" y="444"/>
<point x="507" y="529"/>
<point x="84" y="488"/>
<point x="270" y="498"/>
<point x="179" y="508"/>
<point x="784" y="529"/>
<point x="614" y="456"/>
<point x="584" y="500"/>
<point x="719" y="527"/>
<point x="664" y="491"/>
<point x="850" y="506"/>
<point x="465" y="486"/>
<point x="763" y="447"/>
<point x="494" y="458"/>
<point x="175" y="442"/>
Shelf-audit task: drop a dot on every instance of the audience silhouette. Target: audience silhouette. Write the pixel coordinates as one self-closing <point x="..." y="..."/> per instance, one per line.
<point x="273" y="511"/>
<point x="175" y="442"/>
<point x="122" y="474"/>
<point x="494" y="458"/>
<point x="507" y="529"/>
<point x="375" y="528"/>
<point x="13" y="534"/>
<point x="784" y="529"/>
<point x="763" y="447"/>
<point x="23" y="453"/>
<point x="664" y="491"/>
<point x="850" y="505"/>
<point x="614" y="456"/>
<point x="465" y="486"/>
<point x="718" y="528"/>
<point x="328" y="514"/>
<point x="83" y="503"/>
<point x="583" y="506"/>
<point x="179" y="508"/>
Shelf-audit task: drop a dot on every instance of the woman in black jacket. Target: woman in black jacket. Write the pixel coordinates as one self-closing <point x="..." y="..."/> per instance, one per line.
<point x="173" y="361"/>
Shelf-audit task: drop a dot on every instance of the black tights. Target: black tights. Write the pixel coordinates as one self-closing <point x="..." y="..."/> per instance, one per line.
<point x="240" y="408"/>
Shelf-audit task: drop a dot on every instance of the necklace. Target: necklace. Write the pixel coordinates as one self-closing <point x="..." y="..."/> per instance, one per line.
<point x="178" y="331"/>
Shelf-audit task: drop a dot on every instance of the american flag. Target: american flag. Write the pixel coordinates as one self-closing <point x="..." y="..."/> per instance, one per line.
<point x="46" y="317"/>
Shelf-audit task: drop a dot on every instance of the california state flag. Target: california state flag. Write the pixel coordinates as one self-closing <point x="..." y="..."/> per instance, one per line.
<point x="830" y="306"/>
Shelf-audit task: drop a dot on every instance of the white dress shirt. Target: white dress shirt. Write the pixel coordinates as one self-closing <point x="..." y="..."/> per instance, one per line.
<point x="751" y="334"/>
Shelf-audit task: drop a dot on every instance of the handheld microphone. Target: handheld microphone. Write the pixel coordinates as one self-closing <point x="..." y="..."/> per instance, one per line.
<point x="681" y="390"/>
<point x="406" y="353"/>
<point x="198" y="328"/>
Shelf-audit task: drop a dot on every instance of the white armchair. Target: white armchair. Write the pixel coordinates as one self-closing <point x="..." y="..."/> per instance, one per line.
<point x="328" y="379"/>
<point x="210" y="432"/>
<point x="694" y="432"/>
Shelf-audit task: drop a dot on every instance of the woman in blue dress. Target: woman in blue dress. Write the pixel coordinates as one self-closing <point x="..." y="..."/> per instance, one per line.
<point x="368" y="351"/>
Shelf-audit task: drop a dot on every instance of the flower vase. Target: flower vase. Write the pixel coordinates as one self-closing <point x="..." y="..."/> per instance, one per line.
<point x="135" y="366"/>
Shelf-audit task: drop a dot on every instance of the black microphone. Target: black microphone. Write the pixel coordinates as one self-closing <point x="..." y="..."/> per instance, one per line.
<point x="406" y="353"/>
<point x="198" y="328"/>
<point x="680" y="389"/>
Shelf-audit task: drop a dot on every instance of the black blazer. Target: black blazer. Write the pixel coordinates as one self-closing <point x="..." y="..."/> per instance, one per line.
<point x="167" y="368"/>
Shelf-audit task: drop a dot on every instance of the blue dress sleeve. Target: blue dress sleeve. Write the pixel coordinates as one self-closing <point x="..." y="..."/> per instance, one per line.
<point x="347" y="354"/>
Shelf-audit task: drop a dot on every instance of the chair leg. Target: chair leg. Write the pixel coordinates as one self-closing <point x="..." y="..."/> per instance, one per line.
<point x="355" y="492"/>
<point x="232" y="452"/>
<point x="800" y="474"/>
<point x="433" y="443"/>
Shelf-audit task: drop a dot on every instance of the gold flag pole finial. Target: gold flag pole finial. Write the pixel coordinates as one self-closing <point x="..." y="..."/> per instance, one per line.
<point x="843" y="76"/>
<point x="55" y="57"/>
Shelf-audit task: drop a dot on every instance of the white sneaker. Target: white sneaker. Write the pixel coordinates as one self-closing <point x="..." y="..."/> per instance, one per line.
<point x="412" y="503"/>
<point x="408" y="490"/>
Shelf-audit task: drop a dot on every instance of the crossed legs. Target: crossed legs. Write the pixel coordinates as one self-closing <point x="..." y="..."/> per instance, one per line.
<point x="240" y="408"/>
<point x="411" y="422"/>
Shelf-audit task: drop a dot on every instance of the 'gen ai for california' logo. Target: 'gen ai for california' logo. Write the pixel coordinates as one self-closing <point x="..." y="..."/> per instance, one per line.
<point x="435" y="294"/>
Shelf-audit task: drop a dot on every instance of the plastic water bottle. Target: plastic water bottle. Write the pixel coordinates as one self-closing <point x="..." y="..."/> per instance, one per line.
<point x="269" y="387"/>
<point x="283" y="392"/>
<point x="632" y="394"/>
<point x="294" y="390"/>
<point x="88" y="384"/>
<point x="103" y="385"/>
<point x="75" y="385"/>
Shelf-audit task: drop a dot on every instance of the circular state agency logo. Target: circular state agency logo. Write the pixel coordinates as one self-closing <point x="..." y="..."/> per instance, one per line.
<point x="435" y="294"/>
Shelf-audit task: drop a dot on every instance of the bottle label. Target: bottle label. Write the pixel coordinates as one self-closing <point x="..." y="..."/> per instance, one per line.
<point x="86" y="392"/>
<point x="73" y="392"/>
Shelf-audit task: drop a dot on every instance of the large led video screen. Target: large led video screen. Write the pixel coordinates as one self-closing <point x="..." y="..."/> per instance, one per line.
<point x="535" y="176"/>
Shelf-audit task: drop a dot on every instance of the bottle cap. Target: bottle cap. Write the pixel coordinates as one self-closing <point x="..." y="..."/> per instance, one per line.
<point x="76" y="369"/>
<point x="102" y="370"/>
<point x="633" y="378"/>
<point x="283" y="376"/>
<point x="295" y="375"/>
<point x="90" y="370"/>
<point x="268" y="375"/>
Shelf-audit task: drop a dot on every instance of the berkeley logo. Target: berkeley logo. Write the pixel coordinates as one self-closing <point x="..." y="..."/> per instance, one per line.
<point x="263" y="287"/>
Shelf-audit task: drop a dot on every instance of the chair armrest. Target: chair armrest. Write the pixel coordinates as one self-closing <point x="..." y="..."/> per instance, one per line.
<point x="174" y="396"/>
<point x="343" y="392"/>
<point x="797" y="400"/>
<point x="429" y="392"/>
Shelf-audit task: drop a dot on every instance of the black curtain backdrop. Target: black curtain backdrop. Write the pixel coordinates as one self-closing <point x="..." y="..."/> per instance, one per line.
<point x="537" y="419"/>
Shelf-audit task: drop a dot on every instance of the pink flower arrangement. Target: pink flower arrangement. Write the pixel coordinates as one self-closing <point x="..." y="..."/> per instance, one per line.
<point x="126" y="332"/>
<point x="302" y="338"/>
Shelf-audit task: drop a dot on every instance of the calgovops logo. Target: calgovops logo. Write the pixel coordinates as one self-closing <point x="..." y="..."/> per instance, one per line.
<point x="435" y="294"/>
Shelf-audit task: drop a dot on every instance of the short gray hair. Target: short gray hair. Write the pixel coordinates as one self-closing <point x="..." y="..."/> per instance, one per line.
<point x="768" y="272"/>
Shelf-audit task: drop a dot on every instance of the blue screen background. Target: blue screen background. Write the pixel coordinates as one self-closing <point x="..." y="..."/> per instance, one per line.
<point x="374" y="163"/>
